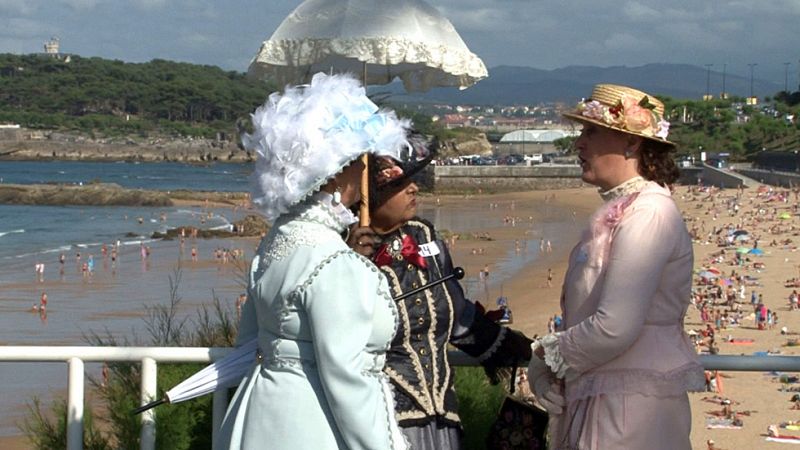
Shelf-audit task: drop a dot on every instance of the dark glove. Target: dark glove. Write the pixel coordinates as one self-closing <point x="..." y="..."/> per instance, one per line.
<point x="363" y="240"/>
<point x="515" y="347"/>
<point x="494" y="315"/>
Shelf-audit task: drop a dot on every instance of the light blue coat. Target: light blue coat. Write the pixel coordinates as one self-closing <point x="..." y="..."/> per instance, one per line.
<point x="324" y="320"/>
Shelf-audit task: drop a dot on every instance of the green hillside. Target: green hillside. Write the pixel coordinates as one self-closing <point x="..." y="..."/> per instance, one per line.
<point x="107" y="98"/>
<point x="733" y="127"/>
<point x="114" y="97"/>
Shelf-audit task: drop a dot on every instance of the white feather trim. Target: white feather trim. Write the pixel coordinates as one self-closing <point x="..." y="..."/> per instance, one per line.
<point x="308" y="134"/>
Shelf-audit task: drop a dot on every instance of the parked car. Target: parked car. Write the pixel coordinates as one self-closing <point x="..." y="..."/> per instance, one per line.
<point x="535" y="158"/>
<point x="509" y="160"/>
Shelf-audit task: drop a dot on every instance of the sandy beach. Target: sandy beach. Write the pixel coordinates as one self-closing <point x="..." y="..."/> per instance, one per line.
<point x="507" y="235"/>
<point x="757" y="399"/>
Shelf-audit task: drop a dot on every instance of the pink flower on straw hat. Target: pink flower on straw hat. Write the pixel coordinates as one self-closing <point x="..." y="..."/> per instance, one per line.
<point x="663" y="129"/>
<point x="637" y="118"/>
<point x="625" y="109"/>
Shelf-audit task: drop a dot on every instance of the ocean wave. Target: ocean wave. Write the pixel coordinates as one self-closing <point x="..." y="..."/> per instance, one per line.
<point x="3" y="233"/>
<point x="140" y="241"/>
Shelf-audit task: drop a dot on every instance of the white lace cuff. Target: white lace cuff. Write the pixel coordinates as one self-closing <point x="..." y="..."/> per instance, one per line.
<point x="552" y="354"/>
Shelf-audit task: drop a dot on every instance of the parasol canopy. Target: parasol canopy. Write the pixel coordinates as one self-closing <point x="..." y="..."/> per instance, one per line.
<point x="387" y="39"/>
<point x="742" y="250"/>
<point x="756" y="251"/>
<point x="785" y="216"/>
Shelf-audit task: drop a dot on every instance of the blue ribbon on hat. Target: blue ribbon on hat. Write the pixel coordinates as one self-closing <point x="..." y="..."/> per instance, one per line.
<point x="360" y="118"/>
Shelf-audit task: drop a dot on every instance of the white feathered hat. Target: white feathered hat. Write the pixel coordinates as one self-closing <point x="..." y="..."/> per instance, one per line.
<point x="308" y="134"/>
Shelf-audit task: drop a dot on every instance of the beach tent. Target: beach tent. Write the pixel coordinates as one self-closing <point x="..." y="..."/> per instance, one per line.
<point x="707" y="275"/>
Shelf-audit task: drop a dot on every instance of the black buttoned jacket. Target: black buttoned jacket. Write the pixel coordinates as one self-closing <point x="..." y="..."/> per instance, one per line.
<point x="417" y="362"/>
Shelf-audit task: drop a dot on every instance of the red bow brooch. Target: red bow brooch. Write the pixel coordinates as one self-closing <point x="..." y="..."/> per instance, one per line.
<point x="406" y="249"/>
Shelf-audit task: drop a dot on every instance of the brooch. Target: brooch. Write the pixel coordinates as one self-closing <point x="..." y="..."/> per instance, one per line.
<point x="394" y="248"/>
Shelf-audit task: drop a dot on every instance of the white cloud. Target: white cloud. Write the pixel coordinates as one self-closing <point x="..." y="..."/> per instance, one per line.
<point x="197" y="41"/>
<point x="626" y="42"/>
<point x="638" y="12"/>
<point x="25" y="29"/>
<point x="149" y="5"/>
<point x="539" y="33"/>
<point x="17" y="6"/>
<point x="81" y="4"/>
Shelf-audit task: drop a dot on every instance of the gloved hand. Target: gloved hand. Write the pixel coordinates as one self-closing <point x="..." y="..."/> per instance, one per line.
<point x="545" y="386"/>
<point x="494" y="315"/>
<point x="363" y="240"/>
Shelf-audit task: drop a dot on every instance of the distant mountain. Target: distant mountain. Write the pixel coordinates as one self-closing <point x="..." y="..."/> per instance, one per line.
<point x="527" y="85"/>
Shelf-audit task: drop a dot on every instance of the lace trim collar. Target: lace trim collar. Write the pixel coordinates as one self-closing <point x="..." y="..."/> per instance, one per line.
<point x="319" y="208"/>
<point x="635" y="184"/>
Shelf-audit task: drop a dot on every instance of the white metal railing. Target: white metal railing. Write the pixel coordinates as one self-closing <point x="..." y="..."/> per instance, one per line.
<point x="149" y="357"/>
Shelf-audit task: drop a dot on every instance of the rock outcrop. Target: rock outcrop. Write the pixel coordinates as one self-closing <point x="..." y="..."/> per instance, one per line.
<point x="100" y="194"/>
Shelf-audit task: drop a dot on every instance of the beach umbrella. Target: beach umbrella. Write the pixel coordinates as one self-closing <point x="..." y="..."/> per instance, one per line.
<point x="740" y="232"/>
<point x="380" y="40"/>
<point x="784" y="216"/>
<point x="707" y="275"/>
<point x="741" y="237"/>
<point x="756" y="251"/>
<point x="229" y="370"/>
<point x="742" y="250"/>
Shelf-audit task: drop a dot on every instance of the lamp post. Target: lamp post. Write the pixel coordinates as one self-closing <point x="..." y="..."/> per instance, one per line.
<point x="708" y="82"/>
<point x="724" y="95"/>
<point x="751" y="65"/>
<point x="786" y="77"/>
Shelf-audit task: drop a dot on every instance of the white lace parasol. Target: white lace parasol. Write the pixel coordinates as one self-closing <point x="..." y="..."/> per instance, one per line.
<point x="406" y="39"/>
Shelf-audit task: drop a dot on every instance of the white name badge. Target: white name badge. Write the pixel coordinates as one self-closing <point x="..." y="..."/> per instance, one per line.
<point x="429" y="249"/>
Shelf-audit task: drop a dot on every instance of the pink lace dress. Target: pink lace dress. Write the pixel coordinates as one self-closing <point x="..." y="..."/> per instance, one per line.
<point x="622" y="350"/>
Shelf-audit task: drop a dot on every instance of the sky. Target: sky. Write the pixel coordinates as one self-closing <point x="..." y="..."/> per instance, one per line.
<point x="544" y="34"/>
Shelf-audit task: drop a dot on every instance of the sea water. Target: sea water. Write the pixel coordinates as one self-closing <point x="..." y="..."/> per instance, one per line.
<point x="79" y="306"/>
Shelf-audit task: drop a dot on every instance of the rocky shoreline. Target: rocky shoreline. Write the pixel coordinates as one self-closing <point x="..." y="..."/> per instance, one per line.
<point x="33" y="145"/>
<point x="20" y="144"/>
<point x="107" y="194"/>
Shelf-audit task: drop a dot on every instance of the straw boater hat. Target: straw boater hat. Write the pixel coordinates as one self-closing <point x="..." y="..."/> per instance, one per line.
<point x="310" y="133"/>
<point x="624" y="109"/>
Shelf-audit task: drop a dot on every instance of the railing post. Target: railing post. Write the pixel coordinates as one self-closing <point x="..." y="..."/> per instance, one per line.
<point x="148" y="393"/>
<point x="75" y="404"/>
<point x="219" y="406"/>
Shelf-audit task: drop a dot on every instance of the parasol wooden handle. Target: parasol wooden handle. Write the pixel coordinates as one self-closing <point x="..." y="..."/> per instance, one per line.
<point x="363" y="215"/>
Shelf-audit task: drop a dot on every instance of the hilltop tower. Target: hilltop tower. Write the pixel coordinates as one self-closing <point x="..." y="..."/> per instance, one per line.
<point x="51" y="47"/>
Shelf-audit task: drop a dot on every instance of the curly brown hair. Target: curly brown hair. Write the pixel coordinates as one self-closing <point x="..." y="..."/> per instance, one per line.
<point x="656" y="162"/>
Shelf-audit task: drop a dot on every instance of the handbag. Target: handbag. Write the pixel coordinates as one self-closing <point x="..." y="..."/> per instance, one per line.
<point x="519" y="424"/>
